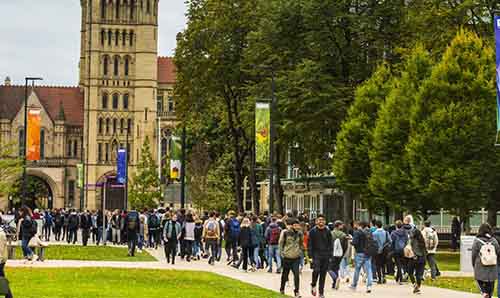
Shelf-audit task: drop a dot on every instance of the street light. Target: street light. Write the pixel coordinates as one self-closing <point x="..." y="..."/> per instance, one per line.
<point x="25" y="140"/>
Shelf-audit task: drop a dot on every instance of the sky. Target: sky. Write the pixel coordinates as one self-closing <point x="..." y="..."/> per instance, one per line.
<point x="42" y="38"/>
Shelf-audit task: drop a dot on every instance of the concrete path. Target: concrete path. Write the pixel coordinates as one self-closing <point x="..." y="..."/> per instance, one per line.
<point x="262" y="279"/>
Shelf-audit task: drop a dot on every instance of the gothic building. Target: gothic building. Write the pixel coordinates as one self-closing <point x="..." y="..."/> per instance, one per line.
<point x="124" y="97"/>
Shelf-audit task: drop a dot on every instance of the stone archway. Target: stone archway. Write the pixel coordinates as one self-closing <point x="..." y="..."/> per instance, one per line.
<point x="47" y="191"/>
<point x="115" y="193"/>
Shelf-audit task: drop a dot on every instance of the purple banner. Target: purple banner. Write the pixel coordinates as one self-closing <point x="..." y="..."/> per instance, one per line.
<point x="121" y="177"/>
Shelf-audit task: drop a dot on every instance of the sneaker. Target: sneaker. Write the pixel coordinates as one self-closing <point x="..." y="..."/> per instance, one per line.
<point x="34" y="258"/>
<point x="297" y="295"/>
<point x="368" y="290"/>
<point x="270" y="271"/>
<point x="313" y="291"/>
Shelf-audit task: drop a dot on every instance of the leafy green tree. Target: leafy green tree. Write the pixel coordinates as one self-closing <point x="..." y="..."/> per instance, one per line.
<point x="10" y="169"/>
<point x="390" y="176"/>
<point x="450" y="151"/>
<point x="351" y="161"/>
<point x="145" y="187"/>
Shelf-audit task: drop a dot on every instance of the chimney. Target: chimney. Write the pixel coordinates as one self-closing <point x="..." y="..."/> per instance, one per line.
<point x="7" y="81"/>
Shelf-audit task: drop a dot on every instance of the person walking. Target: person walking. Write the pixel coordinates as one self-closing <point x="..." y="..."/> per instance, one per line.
<point x="416" y="263"/>
<point x="171" y="235"/>
<point x="485" y="253"/>
<point x="48" y="222"/>
<point x="4" y="255"/>
<point x="384" y="247"/>
<point x="58" y="223"/>
<point x="340" y="245"/>
<point x="259" y="239"/>
<point x="456" y="229"/>
<point x="232" y="234"/>
<point x="65" y="234"/>
<point x="188" y="231"/>
<point x="132" y="225"/>
<point x="153" y="226"/>
<point x="321" y="251"/>
<point x="85" y="225"/>
<point x="27" y="229"/>
<point x="72" y="227"/>
<point x="431" y="244"/>
<point x="245" y="241"/>
<point x="211" y="235"/>
<point x="272" y="236"/>
<point x="362" y="258"/>
<point x="291" y="246"/>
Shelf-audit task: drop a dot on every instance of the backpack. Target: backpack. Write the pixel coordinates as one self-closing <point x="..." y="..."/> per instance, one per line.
<point x="487" y="253"/>
<point x="132" y="221"/>
<point x="73" y="220"/>
<point x="371" y="245"/>
<point x="234" y="228"/>
<point x="153" y="221"/>
<point x="430" y="240"/>
<point x="338" y="251"/>
<point x="399" y="245"/>
<point x="211" y="229"/>
<point x="274" y="235"/>
<point x="59" y="220"/>
<point x="29" y="226"/>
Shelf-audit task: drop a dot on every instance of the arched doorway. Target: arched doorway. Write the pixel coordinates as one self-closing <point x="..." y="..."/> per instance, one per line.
<point x="38" y="193"/>
<point x="114" y="192"/>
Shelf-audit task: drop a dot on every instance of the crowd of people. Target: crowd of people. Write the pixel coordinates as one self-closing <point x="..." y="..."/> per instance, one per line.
<point x="272" y="242"/>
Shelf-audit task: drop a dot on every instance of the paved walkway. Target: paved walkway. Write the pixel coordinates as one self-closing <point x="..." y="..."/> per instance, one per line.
<point x="261" y="279"/>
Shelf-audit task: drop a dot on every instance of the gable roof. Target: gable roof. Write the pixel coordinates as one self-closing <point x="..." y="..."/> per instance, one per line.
<point x="166" y="70"/>
<point x="52" y="98"/>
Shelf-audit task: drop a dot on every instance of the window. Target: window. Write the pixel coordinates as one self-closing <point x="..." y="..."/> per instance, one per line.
<point x="132" y="9"/>
<point x="103" y="36"/>
<point x="100" y="126"/>
<point x="21" y="143"/>
<point x="116" y="66"/>
<point x="42" y="144"/>
<point x="146" y="114"/>
<point x="122" y="125"/>
<point x="131" y="36"/>
<point x="110" y="37"/>
<point x="148" y="6"/>
<point x="171" y="106"/>
<point x="105" y="65"/>
<point x="107" y="126"/>
<point x="164" y="150"/>
<point x="126" y="65"/>
<point x="115" y="101"/>
<point x="106" y="152"/>
<point x="159" y="103"/>
<point x="124" y="37"/>
<point x="71" y="192"/>
<point x="68" y="148"/>
<point x="75" y="148"/>
<point x="129" y="126"/>
<point x="125" y="101"/>
<point x="115" y="124"/>
<point x="117" y="37"/>
<point x="103" y="9"/>
<point x="105" y="101"/>
<point x="117" y="9"/>
<point x="99" y="152"/>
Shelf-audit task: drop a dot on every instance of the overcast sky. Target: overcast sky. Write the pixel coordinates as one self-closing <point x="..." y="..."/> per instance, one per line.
<point x="42" y="38"/>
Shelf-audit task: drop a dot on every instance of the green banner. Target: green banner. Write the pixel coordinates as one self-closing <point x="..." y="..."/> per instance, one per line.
<point x="175" y="158"/>
<point x="262" y="133"/>
<point x="79" y="168"/>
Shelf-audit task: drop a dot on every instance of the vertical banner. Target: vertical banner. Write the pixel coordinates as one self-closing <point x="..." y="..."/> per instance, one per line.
<point x="497" y="43"/>
<point x="262" y="132"/>
<point x="121" y="164"/>
<point x="33" y="141"/>
<point x="175" y="158"/>
<point x="79" y="168"/>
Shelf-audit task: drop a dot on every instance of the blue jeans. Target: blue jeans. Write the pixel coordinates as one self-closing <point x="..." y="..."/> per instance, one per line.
<point x="360" y="259"/>
<point x="27" y="252"/>
<point x="196" y="248"/>
<point x="344" y="268"/>
<point x="140" y="244"/>
<point x="256" y="256"/>
<point x="274" y="252"/>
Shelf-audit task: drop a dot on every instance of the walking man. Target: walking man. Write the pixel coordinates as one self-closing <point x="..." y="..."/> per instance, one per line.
<point x="171" y="234"/>
<point x="291" y="245"/>
<point x="211" y="234"/>
<point x="132" y="224"/>
<point x="272" y="236"/>
<point x="362" y="259"/>
<point x="320" y="250"/>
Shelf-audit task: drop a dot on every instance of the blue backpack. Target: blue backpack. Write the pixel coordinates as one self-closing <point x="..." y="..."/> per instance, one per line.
<point x="399" y="244"/>
<point x="234" y="228"/>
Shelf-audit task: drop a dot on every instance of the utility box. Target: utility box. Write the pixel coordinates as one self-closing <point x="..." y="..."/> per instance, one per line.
<point x="466" y="254"/>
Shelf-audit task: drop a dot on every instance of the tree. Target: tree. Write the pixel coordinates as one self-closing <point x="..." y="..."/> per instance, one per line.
<point x="10" y="169"/>
<point x="450" y="151"/>
<point x="390" y="176"/>
<point x="145" y="187"/>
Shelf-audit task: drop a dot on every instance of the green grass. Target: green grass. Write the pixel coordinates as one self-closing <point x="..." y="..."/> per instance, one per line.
<point x="448" y="261"/>
<point x="91" y="253"/>
<point x="121" y="283"/>
<point x="464" y="284"/>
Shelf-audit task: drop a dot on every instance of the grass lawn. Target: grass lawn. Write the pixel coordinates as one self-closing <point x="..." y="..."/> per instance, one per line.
<point x="121" y="283"/>
<point x="91" y="253"/>
<point x="448" y="261"/>
<point x="464" y="284"/>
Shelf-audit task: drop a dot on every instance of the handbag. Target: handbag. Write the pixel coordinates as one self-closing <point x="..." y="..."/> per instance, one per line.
<point x="4" y="286"/>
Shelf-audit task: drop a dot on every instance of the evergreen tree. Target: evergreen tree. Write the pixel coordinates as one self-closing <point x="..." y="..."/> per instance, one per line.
<point x="145" y="187"/>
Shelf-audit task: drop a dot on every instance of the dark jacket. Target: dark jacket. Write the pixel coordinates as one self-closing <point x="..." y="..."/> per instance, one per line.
<point x="418" y="243"/>
<point x="359" y="240"/>
<point x="399" y="239"/>
<point x="320" y="243"/>
<point x="85" y="221"/>
<point x="245" y="239"/>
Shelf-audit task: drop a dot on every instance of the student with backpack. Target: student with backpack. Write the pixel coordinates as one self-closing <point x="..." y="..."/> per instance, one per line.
<point x="171" y="235"/>
<point x="211" y="234"/>
<point x="321" y="251"/>
<point x="85" y="225"/>
<point x="485" y="252"/>
<point x="340" y="245"/>
<point x="272" y="236"/>
<point x="27" y="229"/>
<point x="415" y="251"/>
<point x="73" y="224"/>
<point x="153" y="226"/>
<point x="399" y="239"/>
<point x="291" y="246"/>
<point x="58" y="223"/>
<point x="132" y="226"/>
<point x="384" y="248"/>
<point x="232" y="235"/>
<point x="431" y="243"/>
<point x="365" y="247"/>
<point x="48" y="222"/>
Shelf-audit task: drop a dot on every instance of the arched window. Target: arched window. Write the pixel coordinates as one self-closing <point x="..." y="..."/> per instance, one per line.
<point x="127" y="62"/>
<point x="99" y="152"/>
<point x="116" y="65"/>
<point x="42" y="143"/>
<point x="131" y="36"/>
<point x="171" y="105"/>
<point x="103" y="36"/>
<point x="75" y="148"/>
<point x="115" y="124"/>
<point x="105" y="64"/>
<point x="99" y="126"/>
<point x="117" y="37"/>
<point x="129" y="126"/>
<point x="125" y="101"/>
<point x="148" y="6"/>
<point x="132" y="9"/>
<point x="103" y="9"/>
<point x="21" y="143"/>
<point x="124" y="38"/>
<point x="106" y="152"/>
<point x="110" y="37"/>
<point x="117" y="9"/>
<point x="122" y="125"/>
<point x="115" y="101"/>
<point x="107" y="126"/>
<point x="105" y="101"/>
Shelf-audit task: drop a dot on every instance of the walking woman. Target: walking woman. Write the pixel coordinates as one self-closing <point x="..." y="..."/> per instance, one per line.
<point x="416" y="265"/>
<point x="26" y="229"/>
<point x="245" y="240"/>
<point x="3" y="260"/>
<point x="485" y="251"/>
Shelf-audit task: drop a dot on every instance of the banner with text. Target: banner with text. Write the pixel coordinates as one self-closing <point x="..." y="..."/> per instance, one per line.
<point x="33" y="141"/>
<point x="175" y="158"/>
<point x="262" y="133"/>
<point x="121" y="163"/>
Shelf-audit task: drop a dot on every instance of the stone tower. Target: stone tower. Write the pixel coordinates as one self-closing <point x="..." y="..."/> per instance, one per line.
<point x="118" y="74"/>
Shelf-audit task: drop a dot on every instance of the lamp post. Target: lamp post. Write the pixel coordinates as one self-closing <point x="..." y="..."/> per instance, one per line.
<point x="25" y="139"/>
<point x="183" y="168"/>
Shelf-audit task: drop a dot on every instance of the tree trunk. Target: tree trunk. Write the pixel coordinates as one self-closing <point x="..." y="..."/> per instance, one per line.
<point x="348" y="206"/>
<point x="238" y="183"/>
<point x="278" y="192"/>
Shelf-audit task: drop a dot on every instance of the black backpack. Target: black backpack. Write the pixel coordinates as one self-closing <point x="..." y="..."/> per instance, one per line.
<point x="371" y="245"/>
<point x="132" y="222"/>
<point x="153" y="221"/>
<point x="29" y="226"/>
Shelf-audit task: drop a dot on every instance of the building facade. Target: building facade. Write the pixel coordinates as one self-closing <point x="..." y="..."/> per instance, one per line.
<point x="124" y="96"/>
